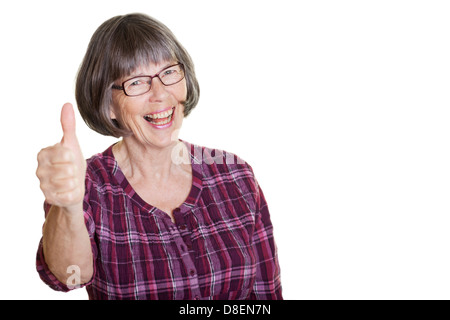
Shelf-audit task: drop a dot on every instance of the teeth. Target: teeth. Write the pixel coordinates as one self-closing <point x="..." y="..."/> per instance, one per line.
<point x="164" y="122"/>
<point x="161" y="115"/>
<point x="159" y="123"/>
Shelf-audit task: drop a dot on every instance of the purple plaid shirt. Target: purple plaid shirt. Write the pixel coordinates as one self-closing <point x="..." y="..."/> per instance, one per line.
<point x="221" y="245"/>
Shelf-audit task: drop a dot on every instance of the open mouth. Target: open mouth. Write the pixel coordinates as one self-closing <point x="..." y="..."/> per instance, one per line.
<point x="163" y="118"/>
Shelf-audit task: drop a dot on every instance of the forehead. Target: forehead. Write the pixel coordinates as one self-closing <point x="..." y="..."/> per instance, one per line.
<point x="145" y="59"/>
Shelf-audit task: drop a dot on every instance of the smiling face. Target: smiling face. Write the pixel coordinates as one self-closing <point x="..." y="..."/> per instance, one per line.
<point x="154" y="118"/>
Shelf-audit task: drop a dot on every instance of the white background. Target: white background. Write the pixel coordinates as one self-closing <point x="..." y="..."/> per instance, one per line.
<point x="341" y="108"/>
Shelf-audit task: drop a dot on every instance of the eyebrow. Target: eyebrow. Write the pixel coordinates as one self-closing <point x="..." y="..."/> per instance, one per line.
<point x="146" y="74"/>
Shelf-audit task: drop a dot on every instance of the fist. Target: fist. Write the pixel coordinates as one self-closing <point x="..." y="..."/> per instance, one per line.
<point x="62" y="168"/>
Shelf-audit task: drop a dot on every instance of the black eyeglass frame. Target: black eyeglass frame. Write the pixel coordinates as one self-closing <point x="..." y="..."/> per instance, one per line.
<point x="122" y="87"/>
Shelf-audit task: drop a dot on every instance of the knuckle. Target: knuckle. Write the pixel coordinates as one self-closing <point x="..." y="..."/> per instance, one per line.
<point x="67" y="197"/>
<point x="42" y="173"/>
<point x="69" y="170"/>
<point x="41" y="155"/>
<point x="39" y="172"/>
<point x="70" y="183"/>
<point x="42" y="170"/>
<point x="66" y="155"/>
<point x="44" y="186"/>
<point x="47" y="191"/>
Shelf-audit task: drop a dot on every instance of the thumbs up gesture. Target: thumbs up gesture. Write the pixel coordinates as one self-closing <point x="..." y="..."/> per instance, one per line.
<point x="62" y="168"/>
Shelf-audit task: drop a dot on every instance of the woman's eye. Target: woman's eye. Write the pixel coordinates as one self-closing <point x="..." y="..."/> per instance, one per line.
<point x="168" y="72"/>
<point x="136" y="83"/>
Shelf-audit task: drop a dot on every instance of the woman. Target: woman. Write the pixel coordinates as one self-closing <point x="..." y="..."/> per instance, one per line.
<point x="152" y="217"/>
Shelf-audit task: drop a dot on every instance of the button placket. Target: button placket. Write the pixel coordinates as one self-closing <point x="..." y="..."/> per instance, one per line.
<point x="182" y="226"/>
<point x="182" y="236"/>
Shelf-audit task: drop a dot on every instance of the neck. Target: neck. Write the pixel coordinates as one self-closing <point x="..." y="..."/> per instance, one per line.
<point x="139" y="161"/>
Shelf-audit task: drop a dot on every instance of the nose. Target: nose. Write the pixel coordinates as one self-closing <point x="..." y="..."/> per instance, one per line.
<point x="157" y="90"/>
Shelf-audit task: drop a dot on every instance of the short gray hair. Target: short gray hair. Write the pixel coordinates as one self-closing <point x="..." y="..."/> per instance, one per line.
<point x="119" y="46"/>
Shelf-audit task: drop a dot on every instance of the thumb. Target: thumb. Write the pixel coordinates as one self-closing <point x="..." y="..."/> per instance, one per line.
<point x="68" y="126"/>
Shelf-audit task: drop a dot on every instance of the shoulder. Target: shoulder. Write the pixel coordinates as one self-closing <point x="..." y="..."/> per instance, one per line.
<point x="215" y="157"/>
<point x="101" y="167"/>
<point x="221" y="166"/>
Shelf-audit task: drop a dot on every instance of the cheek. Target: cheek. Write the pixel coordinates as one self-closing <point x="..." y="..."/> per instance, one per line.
<point x="181" y="92"/>
<point x="180" y="112"/>
<point x="180" y="96"/>
<point x="115" y="107"/>
<point x="123" y="112"/>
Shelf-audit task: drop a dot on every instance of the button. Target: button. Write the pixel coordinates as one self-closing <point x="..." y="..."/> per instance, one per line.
<point x="192" y="272"/>
<point x="182" y="227"/>
<point x="183" y="248"/>
<point x="197" y="298"/>
<point x="189" y="246"/>
<point x="176" y="210"/>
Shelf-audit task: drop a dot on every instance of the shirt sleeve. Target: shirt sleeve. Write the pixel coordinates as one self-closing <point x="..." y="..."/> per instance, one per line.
<point x="42" y="268"/>
<point x="267" y="285"/>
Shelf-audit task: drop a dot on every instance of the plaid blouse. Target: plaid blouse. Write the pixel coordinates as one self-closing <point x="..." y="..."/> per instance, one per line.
<point x="221" y="245"/>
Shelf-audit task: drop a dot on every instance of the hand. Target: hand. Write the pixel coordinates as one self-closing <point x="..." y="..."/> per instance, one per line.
<point x="62" y="168"/>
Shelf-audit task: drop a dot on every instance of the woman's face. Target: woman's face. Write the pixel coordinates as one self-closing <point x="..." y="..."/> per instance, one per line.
<point x="155" y="117"/>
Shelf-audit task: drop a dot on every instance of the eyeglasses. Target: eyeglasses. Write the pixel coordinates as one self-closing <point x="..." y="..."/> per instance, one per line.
<point x="137" y="86"/>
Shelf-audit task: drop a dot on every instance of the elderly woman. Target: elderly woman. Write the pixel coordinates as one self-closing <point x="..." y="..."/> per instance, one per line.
<point x="152" y="217"/>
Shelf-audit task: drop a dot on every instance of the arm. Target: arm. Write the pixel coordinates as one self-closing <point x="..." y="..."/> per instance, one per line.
<point x="66" y="245"/>
<point x="267" y="285"/>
